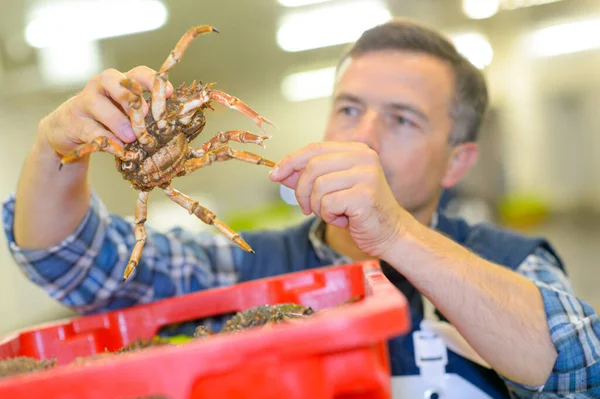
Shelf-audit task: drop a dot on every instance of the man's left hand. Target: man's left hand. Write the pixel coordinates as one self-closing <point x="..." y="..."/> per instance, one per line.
<point x="344" y="184"/>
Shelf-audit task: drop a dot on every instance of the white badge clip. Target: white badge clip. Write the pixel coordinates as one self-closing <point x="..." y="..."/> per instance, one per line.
<point x="431" y="356"/>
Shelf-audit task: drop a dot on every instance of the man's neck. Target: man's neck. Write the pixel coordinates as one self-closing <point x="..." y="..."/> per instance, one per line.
<point x="339" y="239"/>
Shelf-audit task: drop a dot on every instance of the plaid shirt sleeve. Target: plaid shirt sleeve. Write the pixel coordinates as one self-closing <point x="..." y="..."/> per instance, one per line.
<point x="85" y="270"/>
<point x="574" y="329"/>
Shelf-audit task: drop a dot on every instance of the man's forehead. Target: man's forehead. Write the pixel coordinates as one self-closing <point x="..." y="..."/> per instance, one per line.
<point x="404" y="70"/>
<point x="406" y="62"/>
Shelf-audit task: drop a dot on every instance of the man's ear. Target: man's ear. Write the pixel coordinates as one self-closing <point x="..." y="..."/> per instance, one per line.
<point x="462" y="158"/>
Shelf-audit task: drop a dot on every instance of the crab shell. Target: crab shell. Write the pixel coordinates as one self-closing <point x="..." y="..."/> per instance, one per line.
<point x="165" y="162"/>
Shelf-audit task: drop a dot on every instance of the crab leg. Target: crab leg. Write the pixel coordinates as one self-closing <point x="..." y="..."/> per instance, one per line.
<point x="141" y="212"/>
<point x="159" y="91"/>
<point x="136" y="114"/>
<point x="237" y="104"/>
<point x="230" y="101"/>
<point x="240" y="136"/>
<point x="223" y="154"/>
<point x="100" y="143"/>
<point x="207" y="216"/>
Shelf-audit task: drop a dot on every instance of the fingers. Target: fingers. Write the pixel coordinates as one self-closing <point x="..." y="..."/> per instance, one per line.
<point x="322" y="187"/>
<point x="328" y="184"/>
<point x="299" y="159"/>
<point x="292" y="180"/>
<point x="105" y="99"/>
<point x="104" y="111"/>
<point x="334" y="207"/>
<point x="92" y="129"/>
<point x="319" y="166"/>
<point x="146" y="76"/>
<point x="323" y="168"/>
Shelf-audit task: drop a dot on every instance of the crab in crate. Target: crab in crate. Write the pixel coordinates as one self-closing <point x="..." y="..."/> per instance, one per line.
<point x="23" y="364"/>
<point x="260" y="316"/>
<point x="162" y="150"/>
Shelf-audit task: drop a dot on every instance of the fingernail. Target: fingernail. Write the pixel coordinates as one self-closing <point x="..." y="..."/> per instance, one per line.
<point x="274" y="172"/>
<point x="127" y="133"/>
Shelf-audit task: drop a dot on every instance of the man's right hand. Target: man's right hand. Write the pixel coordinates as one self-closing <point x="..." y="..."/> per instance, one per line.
<point x="98" y="110"/>
<point x="50" y="204"/>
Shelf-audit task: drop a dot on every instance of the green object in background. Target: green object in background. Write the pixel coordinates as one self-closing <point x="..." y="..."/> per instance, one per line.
<point x="275" y="215"/>
<point x="522" y="210"/>
<point x="178" y="339"/>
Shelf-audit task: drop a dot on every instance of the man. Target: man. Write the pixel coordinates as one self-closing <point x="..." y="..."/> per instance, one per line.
<point x="406" y="112"/>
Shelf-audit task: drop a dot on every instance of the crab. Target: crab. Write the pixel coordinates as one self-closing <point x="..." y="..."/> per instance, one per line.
<point x="259" y="316"/>
<point x="141" y="343"/>
<point x="264" y="315"/>
<point x="24" y="364"/>
<point x="162" y="150"/>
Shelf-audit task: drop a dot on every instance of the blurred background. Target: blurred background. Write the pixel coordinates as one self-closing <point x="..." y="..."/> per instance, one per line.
<point x="538" y="171"/>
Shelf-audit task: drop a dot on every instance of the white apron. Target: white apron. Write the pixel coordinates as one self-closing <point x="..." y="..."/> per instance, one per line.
<point x="431" y="342"/>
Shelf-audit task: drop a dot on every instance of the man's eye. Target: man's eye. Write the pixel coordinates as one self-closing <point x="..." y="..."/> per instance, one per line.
<point x="348" y="111"/>
<point x="404" y="121"/>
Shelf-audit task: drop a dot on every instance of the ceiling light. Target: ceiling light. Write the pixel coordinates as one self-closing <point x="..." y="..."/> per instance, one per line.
<point x="565" y="38"/>
<point x="330" y="24"/>
<point x="319" y="83"/>
<point x="480" y="9"/>
<point x="70" y="21"/>
<point x="69" y="64"/>
<point x="298" y="3"/>
<point x="514" y="4"/>
<point x="308" y="85"/>
<point x="475" y="47"/>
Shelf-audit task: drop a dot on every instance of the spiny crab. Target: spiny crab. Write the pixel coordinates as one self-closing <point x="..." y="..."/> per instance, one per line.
<point x="260" y="316"/>
<point x="162" y="150"/>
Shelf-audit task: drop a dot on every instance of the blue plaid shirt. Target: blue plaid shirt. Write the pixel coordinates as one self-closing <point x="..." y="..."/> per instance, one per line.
<point x="85" y="273"/>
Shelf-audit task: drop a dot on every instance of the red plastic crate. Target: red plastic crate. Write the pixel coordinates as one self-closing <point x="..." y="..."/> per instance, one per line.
<point x="340" y="353"/>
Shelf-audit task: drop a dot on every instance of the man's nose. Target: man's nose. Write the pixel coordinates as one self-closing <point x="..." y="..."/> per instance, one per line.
<point x="366" y="131"/>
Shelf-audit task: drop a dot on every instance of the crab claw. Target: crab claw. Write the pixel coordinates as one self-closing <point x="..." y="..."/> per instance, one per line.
<point x="237" y="104"/>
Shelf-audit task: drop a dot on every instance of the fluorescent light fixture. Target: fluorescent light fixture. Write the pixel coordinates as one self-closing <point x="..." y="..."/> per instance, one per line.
<point x="70" y="21"/>
<point x="565" y="38"/>
<point x="475" y="47"/>
<point x="69" y="64"/>
<point x="319" y="83"/>
<point x="330" y="24"/>
<point x="514" y="4"/>
<point x="480" y="9"/>
<point x="308" y="85"/>
<point x="298" y="3"/>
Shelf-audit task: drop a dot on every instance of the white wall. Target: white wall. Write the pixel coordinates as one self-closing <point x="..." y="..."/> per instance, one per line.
<point x="21" y="302"/>
<point x="548" y="109"/>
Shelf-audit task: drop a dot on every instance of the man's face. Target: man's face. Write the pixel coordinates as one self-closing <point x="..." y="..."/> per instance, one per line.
<point x="398" y="103"/>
